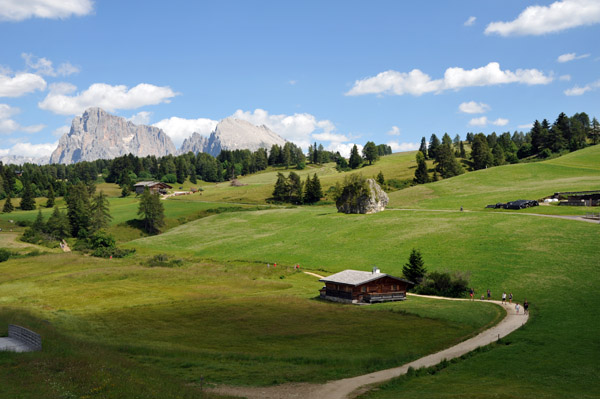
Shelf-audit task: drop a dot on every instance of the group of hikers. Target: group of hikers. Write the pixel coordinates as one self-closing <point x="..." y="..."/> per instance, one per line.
<point x="510" y="298"/>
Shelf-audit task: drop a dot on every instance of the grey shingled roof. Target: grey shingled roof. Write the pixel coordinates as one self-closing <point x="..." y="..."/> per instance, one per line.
<point x="357" y="277"/>
<point x="146" y="183"/>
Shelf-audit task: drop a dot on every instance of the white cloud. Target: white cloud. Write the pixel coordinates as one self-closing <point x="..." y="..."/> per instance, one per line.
<point x="43" y="66"/>
<point x="417" y="83"/>
<point x="565" y="78"/>
<point x="19" y="10"/>
<point x="343" y="148"/>
<point x="179" y="128"/>
<point x="141" y="118"/>
<point x="292" y="82"/>
<point x="401" y="147"/>
<point x="8" y="125"/>
<point x="540" y="20"/>
<point x="571" y="56"/>
<point x="473" y="108"/>
<point x="30" y="150"/>
<point x="578" y="91"/>
<point x="59" y="131"/>
<point x="107" y="97"/>
<point x="483" y="121"/>
<point x="20" y="84"/>
<point x="336" y="138"/>
<point x="525" y="126"/>
<point x="297" y="128"/>
<point x="394" y="131"/>
<point x="470" y="21"/>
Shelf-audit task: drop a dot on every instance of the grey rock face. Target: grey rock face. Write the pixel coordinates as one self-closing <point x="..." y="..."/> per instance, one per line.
<point x="99" y="135"/>
<point x="371" y="200"/>
<point x="233" y="134"/>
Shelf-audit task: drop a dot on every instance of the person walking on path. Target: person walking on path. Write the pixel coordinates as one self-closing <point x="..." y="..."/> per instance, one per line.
<point x="525" y="307"/>
<point x="489" y="293"/>
<point x="517" y="307"/>
<point x="504" y="298"/>
<point x="510" y="298"/>
<point x="472" y="292"/>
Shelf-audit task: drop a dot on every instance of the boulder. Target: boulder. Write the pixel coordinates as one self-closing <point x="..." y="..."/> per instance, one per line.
<point x="362" y="196"/>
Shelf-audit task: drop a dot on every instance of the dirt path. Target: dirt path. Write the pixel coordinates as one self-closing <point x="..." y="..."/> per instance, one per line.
<point x="351" y="387"/>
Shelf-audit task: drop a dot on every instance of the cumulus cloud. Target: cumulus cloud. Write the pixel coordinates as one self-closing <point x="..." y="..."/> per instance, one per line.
<point x="59" y="131"/>
<point x="484" y="121"/>
<point x="570" y="57"/>
<point x="525" y="126"/>
<point x="298" y="128"/>
<point x="470" y="21"/>
<point x="30" y="150"/>
<point x="394" y="131"/>
<point x="565" y="78"/>
<point x="343" y="148"/>
<point x="179" y="128"/>
<point x="19" y="10"/>
<point x="417" y="83"/>
<point x="540" y="20"/>
<point x="20" y="84"/>
<point x="401" y="147"/>
<point x="8" y="125"/>
<point x="333" y="137"/>
<point x="43" y="66"/>
<point x="473" y="108"/>
<point x="107" y="97"/>
<point x="578" y="91"/>
<point x="141" y="118"/>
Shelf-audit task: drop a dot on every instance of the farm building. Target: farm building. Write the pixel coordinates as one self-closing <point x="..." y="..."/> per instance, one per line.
<point x="354" y="286"/>
<point x="153" y="186"/>
<point x="579" y="198"/>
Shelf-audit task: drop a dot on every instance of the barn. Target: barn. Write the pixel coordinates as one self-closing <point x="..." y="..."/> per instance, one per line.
<point x="354" y="286"/>
<point x="153" y="186"/>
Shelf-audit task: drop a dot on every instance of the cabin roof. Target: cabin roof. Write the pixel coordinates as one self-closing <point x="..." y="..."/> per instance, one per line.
<point x="357" y="277"/>
<point x="151" y="183"/>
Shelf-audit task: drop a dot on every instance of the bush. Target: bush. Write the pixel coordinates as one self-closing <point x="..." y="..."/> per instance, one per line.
<point x="163" y="260"/>
<point x="169" y="178"/>
<point x="454" y="285"/>
<point x="101" y="239"/>
<point x="4" y="254"/>
<point x="546" y="153"/>
<point x="107" y="252"/>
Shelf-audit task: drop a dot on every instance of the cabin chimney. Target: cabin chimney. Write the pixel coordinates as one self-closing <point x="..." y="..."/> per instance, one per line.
<point x="376" y="270"/>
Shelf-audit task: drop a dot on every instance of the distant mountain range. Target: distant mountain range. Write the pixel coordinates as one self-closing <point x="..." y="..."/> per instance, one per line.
<point x="100" y="135"/>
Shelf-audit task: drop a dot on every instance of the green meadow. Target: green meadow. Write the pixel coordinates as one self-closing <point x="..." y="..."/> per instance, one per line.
<point x="221" y="316"/>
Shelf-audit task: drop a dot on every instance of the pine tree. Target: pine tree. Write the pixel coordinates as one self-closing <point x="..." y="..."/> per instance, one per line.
<point x="480" y="152"/>
<point x="50" y="197"/>
<point x="414" y="270"/>
<point x="280" y="190"/>
<point x="463" y="153"/>
<point x="380" y="178"/>
<point x="447" y="165"/>
<point x="312" y="190"/>
<point x="152" y="212"/>
<point x="28" y="199"/>
<point x="499" y="157"/>
<point x="100" y="214"/>
<point x="78" y="209"/>
<point x="434" y="143"/>
<point x="38" y="224"/>
<point x="295" y="187"/>
<point x="421" y="175"/>
<point x="355" y="159"/>
<point x="423" y="147"/>
<point x="193" y="177"/>
<point x="58" y="224"/>
<point x="8" y="206"/>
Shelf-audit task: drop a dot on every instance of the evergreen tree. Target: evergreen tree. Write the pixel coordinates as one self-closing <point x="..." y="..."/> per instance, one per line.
<point x="312" y="190"/>
<point x="355" y="159"/>
<point x="181" y="170"/>
<point x="193" y="178"/>
<point x="280" y="190"/>
<point x="152" y="212"/>
<point x="370" y="152"/>
<point x="295" y="187"/>
<point x="480" y="152"/>
<point x="38" y="224"/>
<point x="595" y="131"/>
<point x="125" y="191"/>
<point x="8" y="206"/>
<point x="462" y="153"/>
<point x="50" y="197"/>
<point x="58" y="224"/>
<point x="78" y="209"/>
<point x="414" y="270"/>
<point x="498" y="154"/>
<point x="434" y="143"/>
<point x="28" y="199"/>
<point x="447" y="165"/>
<point x="380" y="178"/>
<point x="423" y="147"/>
<point x="274" y="154"/>
<point x="421" y="175"/>
<point x="556" y="140"/>
<point x="100" y="214"/>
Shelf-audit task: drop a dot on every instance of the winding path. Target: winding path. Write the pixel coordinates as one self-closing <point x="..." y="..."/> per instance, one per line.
<point x="351" y="387"/>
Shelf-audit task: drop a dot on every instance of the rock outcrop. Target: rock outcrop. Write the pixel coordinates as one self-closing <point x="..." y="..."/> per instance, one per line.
<point x="99" y="135"/>
<point x="362" y="196"/>
<point x="233" y="134"/>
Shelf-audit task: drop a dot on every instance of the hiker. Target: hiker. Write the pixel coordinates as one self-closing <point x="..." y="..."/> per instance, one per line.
<point x="517" y="307"/>
<point x="489" y="294"/>
<point x="504" y="298"/>
<point x="472" y="292"/>
<point x="461" y="208"/>
<point x="510" y="298"/>
<point x="525" y="307"/>
<point x="482" y="297"/>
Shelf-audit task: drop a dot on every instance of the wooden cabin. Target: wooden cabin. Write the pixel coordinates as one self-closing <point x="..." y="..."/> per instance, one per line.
<point x="354" y="286"/>
<point x="154" y="187"/>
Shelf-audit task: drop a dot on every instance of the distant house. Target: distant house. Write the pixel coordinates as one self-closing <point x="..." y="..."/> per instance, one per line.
<point x="579" y="198"/>
<point x="354" y="286"/>
<point x="153" y="186"/>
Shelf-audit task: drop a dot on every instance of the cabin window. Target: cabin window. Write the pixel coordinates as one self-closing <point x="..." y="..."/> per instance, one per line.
<point x="364" y="288"/>
<point x="394" y="287"/>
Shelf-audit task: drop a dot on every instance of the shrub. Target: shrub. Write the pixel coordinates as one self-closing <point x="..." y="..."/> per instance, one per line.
<point x="4" y="254"/>
<point x="107" y="252"/>
<point x="164" y="260"/>
<point x="454" y="285"/>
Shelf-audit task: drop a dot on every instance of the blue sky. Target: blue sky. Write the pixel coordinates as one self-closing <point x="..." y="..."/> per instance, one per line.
<point x="335" y="72"/>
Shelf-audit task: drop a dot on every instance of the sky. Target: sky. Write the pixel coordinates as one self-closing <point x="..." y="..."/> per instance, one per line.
<point x="334" y="72"/>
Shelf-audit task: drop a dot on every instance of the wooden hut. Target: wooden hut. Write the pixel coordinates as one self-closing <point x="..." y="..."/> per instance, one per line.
<point x="153" y="186"/>
<point x="354" y="286"/>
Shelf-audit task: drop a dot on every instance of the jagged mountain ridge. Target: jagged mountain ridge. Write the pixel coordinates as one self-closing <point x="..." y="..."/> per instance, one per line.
<point x="100" y="135"/>
<point x="232" y="134"/>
